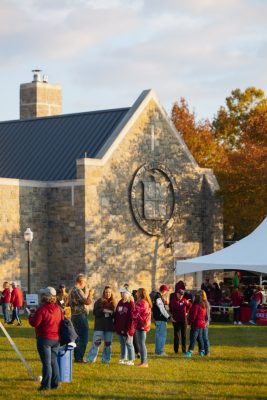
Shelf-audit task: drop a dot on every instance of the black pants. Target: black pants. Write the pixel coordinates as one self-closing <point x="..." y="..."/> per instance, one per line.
<point x="237" y="314"/>
<point x="179" y="326"/>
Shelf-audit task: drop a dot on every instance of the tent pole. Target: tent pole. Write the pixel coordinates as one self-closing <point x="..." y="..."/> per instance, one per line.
<point x="30" y="371"/>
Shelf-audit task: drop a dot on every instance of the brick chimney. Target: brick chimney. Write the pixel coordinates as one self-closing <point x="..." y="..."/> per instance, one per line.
<point x="39" y="98"/>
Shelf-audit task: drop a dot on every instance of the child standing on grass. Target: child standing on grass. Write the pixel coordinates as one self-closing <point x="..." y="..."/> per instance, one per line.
<point x="124" y="326"/>
<point x="142" y="319"/>
<point x="205" y="331"/>
<point x="197" y="316"/>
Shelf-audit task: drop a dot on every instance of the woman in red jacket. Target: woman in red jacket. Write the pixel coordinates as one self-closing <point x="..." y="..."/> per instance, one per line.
<point x="124" y="326"/>
<point x="17" y="303"/>
<point x="197" y="320"/>
<point x="46" y="320"/>
<point x="5" y="300"/>
<point x="142" y="318"/>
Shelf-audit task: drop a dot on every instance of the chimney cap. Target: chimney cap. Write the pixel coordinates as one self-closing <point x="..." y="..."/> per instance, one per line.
<point x="37" y="75"/>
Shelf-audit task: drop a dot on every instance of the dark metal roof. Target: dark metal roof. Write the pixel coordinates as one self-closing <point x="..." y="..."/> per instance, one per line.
<point x="46" y="149"/>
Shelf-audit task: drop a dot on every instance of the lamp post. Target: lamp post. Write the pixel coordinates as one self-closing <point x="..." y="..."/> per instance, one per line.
<point x="28" y="236"/>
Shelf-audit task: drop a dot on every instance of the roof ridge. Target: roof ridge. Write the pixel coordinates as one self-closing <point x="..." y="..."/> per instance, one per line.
<point x="64" y="115"/>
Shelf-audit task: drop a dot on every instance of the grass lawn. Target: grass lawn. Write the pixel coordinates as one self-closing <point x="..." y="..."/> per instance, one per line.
<point x="236" y="369"/>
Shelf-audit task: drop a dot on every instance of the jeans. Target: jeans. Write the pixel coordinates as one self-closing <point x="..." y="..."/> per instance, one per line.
<point x="206" y="342"/>
<point x="48" y="350"/>
<point x="254" y="306"/>
<point x="127" y="348"/>
<point x="15" y="315"/>
<point x="179" y="326"/>
<point x="96" y="343"/>
<point x="160" y="336"/>
<point x="80" y="323"/>
<point x="141" y="338"/>
<point x="196" y="334"/>
<point x="5" y="308"/>
<point x="135" y="343"/>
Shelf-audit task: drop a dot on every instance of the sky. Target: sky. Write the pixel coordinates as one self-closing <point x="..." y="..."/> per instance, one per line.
<point x="104" y="53"/>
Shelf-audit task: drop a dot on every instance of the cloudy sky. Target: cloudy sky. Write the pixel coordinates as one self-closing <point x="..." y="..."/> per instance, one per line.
<point x="105" y="52"/>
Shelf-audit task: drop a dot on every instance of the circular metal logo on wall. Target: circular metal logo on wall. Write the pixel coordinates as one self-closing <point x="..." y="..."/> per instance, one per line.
<point x="153" y="198"/>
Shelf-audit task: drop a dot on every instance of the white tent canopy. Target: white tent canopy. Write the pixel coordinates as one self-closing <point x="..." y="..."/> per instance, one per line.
<point x="248" y="254"/>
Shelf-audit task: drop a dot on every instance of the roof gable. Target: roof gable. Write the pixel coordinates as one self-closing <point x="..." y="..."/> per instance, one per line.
<point x="47" y="148"/>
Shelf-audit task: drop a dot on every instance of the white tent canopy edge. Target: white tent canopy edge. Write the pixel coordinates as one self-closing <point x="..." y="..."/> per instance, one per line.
<point x="249" y="254"/>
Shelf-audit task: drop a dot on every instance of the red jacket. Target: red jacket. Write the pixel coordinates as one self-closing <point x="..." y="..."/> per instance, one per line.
<point x="46" y="320"/>
<point x="142" y="315"/>
<point x="236" y="298"/>
<point x="123" y="323"/>
<point x="197" y="315"/>
<point x="258" y="297"/>
<point x="179" y="308"/>
<point x="6" y="295"/>
<point x="17" y="297"/>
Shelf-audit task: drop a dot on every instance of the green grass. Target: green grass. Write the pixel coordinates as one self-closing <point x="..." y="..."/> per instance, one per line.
<point x="235" y="370"/>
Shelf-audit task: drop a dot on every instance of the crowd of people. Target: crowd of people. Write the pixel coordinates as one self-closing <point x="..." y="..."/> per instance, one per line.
<point x="130" y="318"/>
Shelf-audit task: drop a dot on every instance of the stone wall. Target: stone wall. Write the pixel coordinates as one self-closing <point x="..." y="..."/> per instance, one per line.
<point x="116" y="249"/>
<point x="66" y="227"/>
<point x="22" y="206"/>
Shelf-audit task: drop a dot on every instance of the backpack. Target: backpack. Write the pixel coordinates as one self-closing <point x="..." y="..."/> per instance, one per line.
<point x="67" y="332"/>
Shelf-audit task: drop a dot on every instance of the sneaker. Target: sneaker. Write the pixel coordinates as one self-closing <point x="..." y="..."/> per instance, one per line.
<point x="239" y="323"/>
<point x="201" y="353"/>
<point x="188" y="354"/>
<point x="252" y="322"/>
<point x="143" y="365"/>
<point x="10" y="323"/>
<point x="235" y="323"/>
<point x="122" y="361"/>
<point x="80" y="361"/>
<point x="163" y="354"/>
<point x="130" y="363"/>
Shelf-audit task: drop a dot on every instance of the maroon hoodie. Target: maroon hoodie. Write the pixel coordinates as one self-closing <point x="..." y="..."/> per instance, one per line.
<point x="197" y="315"/>
<point x="46" y="320"/>
<point x="6" y="294"/>
<point x="179" y="308"/>
<point x="124" y="324"/>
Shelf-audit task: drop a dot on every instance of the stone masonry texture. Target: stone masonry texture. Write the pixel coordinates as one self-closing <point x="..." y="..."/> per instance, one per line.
<point x="89" y="227"/>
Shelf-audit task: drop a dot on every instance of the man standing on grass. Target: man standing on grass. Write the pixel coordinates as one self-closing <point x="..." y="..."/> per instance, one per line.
<point x="17" y="303"/>
<point x="161" y="317"/>
<point x="79" y="298"/>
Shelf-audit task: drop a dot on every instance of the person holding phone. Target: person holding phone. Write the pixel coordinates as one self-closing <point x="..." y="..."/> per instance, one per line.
<point x="124" y="326"/>
<point x="79" y="299"/>
<point x="104" y="317"/>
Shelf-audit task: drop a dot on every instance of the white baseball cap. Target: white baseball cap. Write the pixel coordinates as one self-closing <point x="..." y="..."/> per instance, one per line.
<point x="48" y="291"/>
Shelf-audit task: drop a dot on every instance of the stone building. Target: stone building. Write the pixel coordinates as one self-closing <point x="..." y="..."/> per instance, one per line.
<point x="115" y="194"/>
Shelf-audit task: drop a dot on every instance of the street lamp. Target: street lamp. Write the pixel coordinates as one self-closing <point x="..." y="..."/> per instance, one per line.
<point x="28" y="236"/>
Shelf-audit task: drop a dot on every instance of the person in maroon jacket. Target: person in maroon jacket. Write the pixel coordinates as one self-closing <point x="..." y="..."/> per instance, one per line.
<point x="142" y="321"/>
<point x="124" y="326"/>
<point x="17" y="303"/>
<point x="236" y="302"/>
<point x="197" y="320"/>
<point x="179" y="308"/>
<point x="46" y="320"/>
<point x="5" y="301"/>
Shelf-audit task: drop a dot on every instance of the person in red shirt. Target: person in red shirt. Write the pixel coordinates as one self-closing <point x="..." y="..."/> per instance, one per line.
<point x="179" y="308"/>
<point x="46" y="320"/>
<point x="142" y="321"/>
<point x="256" y="300"/>
<point x="5" y="301"/>
<point x="197" y="320"/>
<point x="236" y="302"/>
<point x="124" y="326"/>
<point x="17" y="303"/>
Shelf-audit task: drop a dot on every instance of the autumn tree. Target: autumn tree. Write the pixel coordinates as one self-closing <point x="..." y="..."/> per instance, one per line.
<point x="235" y="146"/>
